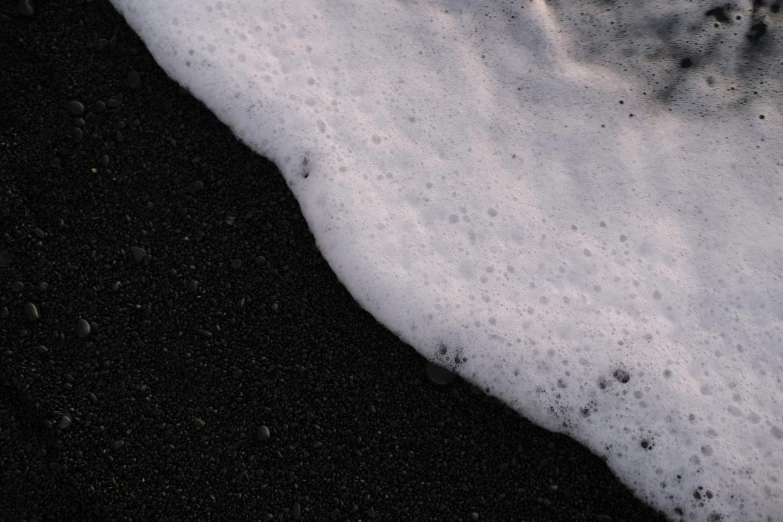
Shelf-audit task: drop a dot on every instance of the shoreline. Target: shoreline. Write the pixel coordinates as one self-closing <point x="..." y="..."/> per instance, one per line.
<point x="262" y="388"/>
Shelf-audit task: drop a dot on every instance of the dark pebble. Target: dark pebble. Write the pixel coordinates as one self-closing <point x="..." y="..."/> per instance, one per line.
<point x="99" y="106"/>
<point x="82" y="328"/>
<point x="17" y="286"/>
<point x="138" y="254"/>
<point x="133" y="80"/>
<point x="118" y="444"/>
<point x="65" y="422"/>
<point x="77" y="133"/>
<point x="31" y="312"/>
<point x="438" y="374"/>
<point x="199" y="423"/>
<point x="4" y="312"/>
<point x="55" y="163"/>
<point x="263" y="433"/>
<point x="113" y="103"/>
<point x="297" y="512"/>
<point x="25" y="8"/>
<point x="76" y="107"/>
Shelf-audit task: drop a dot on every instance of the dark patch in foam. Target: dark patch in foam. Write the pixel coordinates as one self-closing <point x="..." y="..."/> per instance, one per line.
<point x="305" y="172"/>
<point x="666" y="51"/>
<point x="622" y="375"/>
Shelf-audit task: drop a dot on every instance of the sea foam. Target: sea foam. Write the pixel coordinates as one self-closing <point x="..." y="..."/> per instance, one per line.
<point x="577" y="206"/>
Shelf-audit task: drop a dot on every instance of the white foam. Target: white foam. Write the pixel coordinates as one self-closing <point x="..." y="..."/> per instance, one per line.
<point x="473" y="174"/>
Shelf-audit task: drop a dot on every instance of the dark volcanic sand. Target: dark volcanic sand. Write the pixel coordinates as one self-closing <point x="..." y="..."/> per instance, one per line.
<point x="157" y="411"/>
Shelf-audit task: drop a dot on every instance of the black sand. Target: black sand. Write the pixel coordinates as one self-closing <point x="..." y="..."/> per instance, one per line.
<point x="110" y="208"/>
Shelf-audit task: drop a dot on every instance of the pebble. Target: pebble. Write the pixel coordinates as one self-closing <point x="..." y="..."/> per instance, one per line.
<point x="55" y="163"/>
<point x="438" y="374"/>
<point x="105" y="160"/>
<point x="118" y="444"/>
<point x="297" y="511"/>
<point x="4" y="312"/>
<point x="25" y="8"/>
<point x="77" y="133"/>
<point x="263" y="433"/>
<point x="199" y="423"/>
<point x="133" y="80"/>
<point x="193" y="286"/>
<point x="236" y="264"/>
<point x="41" y="349"/>
<point x="17" y="286"/>
<point x="99" y="106"/>
<point x="198" y="185"/>
<point x="474" y="516"/>
<point x="370" y="513"/>
<point x="603" y="518"/>
<point x="113" y="103"/>
<point x="82" y="328"/>
<point x="65" y="422"/>
<point x="76" y="107"/>
<point x="31" y="312"/>
<point x="138" y="254"/>
<point x="43" y="286"/>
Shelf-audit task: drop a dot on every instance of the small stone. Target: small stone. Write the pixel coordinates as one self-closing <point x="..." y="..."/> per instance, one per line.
<point x="43" y="286"/>
<point x="99" y="106"/>
<point x="82" y="328"/>
<point x="4" y="312"/>
<point x="41" y="349"/>
<point x="203" y="333"/>
<point x="118" y="444"/>
<point x="105" y="160"/>
<point x="474" y="516"/>
<point x="603" y="518"/>
<point x="263" y="433"/>
<point x="113" y="103"/>
<point x="236" y="264"/>
<point x="40" y="233"/>
<point x="79" y="122"/>
<point x="31" y="312"/>
<point x="438" y="374"/>
<point x="198" y="185"/>
<point x="260" y="260"/>
<point x="75" y="107"/>
<point x="370" y="513"/>
<point x="199" y="423"/>
<point x="138" y="254"/>
<point x="65" y="422"/>
<point x="25" y="8"/>
<point x="297" y="512"/>
<point x="17" y="286"/>
<point x="193" y="286"/>
<point x="55" y="163"/>
<point x="133" y="80"/>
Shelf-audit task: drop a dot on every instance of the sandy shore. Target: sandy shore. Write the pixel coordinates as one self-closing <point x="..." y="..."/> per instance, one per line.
<point x="173" y="346"/>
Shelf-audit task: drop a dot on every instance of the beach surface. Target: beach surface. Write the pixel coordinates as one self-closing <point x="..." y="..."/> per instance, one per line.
<point x="173" y="345"/>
